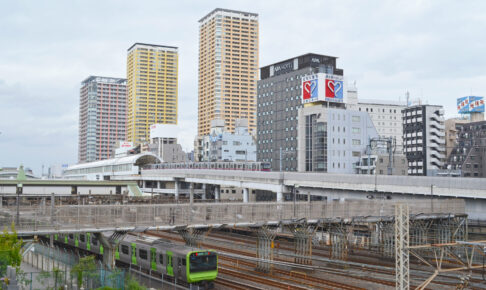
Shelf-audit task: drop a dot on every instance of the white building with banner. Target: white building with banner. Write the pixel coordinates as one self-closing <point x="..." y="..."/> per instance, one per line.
<point x="330" y="138"/>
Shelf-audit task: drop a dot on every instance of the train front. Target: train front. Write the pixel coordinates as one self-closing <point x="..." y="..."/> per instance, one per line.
<point x="202" y="266"/>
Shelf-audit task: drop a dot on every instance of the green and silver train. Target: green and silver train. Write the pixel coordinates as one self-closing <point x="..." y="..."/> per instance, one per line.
<point x="159" y="256"/>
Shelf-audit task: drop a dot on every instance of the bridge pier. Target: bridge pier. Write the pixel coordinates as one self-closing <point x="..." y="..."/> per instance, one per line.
<point x="110" y="246"/>
<point x="191" y="193"/>
<point x="177" y="186"/>
<point x="303" y="234"/>
<point x="217" y="190"/>
<point x="245" y="195"/>
<point x="192" y="237"/>
<point x="387" y="238"/>
<point x="265" y="245"/>
<point x="338" y="238"/>
<point x="279" y="196"/>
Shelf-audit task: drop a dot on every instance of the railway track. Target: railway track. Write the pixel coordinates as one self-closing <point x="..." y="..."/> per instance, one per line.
<point x="310" y="281"/>
<point x="360" y="255"/>
<point x="232" y="284"/>
<point x="364" y="273"/>
<point x="260" y="280"/>
<point x="304" y="279"/>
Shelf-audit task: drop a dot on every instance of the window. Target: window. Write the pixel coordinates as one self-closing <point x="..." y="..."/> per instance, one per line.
<point x="356" y="142"/>
<point x="356" y="118"/>
<point x="356" y="130"/>
<point x="124" y="249"/>
<point x="82" y="238"/>
<point x="142" y="254"/>
<point x="356" y="154"/>
<point x="161" y="258"/>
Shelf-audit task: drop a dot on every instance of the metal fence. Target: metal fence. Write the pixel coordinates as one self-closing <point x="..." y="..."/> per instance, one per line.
<point x="56" y="279"/>
<point x="95" y="218"/>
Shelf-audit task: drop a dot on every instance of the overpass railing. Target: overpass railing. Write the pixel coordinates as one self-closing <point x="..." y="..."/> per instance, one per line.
<point x="97" y="218"/>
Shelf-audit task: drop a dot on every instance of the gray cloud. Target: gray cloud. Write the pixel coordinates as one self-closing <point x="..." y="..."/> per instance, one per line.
<point x="433" y="49"/>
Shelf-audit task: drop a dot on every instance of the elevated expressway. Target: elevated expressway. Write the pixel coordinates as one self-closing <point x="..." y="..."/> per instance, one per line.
<point x="331" y="186"/>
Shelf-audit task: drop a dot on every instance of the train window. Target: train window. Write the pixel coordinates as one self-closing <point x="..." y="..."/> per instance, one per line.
<point x="202" y="261"/>
<point x="82" y="239"/>
<point x="124" y="249"/>
<point x="94" y="241"/>
<point x="71" y="236"/>
<point x="161" y="258"/>
<point x="142" y="254"/>
<point x="183" y="262"/>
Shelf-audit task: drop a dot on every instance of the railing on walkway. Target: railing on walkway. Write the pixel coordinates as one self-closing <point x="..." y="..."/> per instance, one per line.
<point x="96" y="218"/>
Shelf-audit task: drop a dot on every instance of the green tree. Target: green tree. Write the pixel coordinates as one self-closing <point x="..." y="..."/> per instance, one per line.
<point x="57" y="279"/>
<point x="86" y="268"/>
<point x="132" y="284"/>
<point x="10" y="250"/>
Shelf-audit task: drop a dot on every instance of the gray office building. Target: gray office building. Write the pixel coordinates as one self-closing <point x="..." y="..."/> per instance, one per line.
<point x="279" y="98"/>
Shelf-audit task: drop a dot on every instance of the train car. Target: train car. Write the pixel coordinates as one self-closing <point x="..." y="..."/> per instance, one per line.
<point x="178" y="261"/>
<point x="223" y="165"/>
<point x="183" y="263"/>
<point x="87" y="241"/>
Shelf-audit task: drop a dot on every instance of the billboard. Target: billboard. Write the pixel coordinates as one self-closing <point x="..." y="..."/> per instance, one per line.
<point x="470" y="104"/>
<point x="322" y="87"/>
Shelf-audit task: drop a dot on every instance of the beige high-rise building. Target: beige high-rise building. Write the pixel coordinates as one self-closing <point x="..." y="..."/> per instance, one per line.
<point x="228" y="68"/>
<point x="451" y="133"/>
<point x="152" y="83"/>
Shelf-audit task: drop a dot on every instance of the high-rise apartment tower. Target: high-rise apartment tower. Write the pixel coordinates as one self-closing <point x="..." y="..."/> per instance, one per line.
<point x="228" y="68"/>
<point x="102" y="117"/>
<point x="152" y="83"/>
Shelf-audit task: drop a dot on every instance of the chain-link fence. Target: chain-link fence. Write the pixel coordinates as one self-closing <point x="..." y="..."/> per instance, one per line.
<point x="57" y="279"/>
<point x="109" y="217"/>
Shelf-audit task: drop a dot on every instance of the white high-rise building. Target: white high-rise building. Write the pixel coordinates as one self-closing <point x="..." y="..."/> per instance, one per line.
<point x="385" y="115"/>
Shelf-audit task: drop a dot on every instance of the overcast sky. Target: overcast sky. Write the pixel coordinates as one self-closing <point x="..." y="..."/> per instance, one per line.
<point x="434" y="49"/>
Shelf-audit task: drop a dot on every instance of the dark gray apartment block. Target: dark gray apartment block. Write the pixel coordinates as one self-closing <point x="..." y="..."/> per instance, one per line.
<point x="279" y="97"/>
